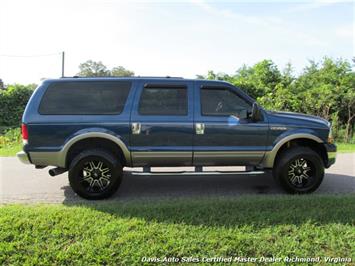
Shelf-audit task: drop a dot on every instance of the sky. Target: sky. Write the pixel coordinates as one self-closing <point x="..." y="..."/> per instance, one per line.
<point x="175" y="38"/>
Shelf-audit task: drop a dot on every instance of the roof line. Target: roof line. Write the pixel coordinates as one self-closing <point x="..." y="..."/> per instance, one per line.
<point x="128" y="77"/>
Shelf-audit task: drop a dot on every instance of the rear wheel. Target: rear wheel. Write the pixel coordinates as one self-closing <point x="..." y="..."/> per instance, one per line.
<point x="95" y="174"/>
<point x="299" y="170"/>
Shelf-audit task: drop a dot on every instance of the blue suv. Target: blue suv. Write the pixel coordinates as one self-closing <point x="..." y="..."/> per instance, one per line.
<point x="93" y="127"/>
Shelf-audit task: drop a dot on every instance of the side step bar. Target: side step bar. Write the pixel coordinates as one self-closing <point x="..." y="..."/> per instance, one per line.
<point x="198" y="173"/>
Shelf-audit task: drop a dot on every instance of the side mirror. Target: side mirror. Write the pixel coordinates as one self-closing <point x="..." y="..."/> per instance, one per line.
<point x="255" y="112"/>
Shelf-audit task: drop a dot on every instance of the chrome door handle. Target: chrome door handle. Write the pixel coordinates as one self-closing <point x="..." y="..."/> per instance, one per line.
<point x="136" y="128"/>
<point x="200" y="128"/>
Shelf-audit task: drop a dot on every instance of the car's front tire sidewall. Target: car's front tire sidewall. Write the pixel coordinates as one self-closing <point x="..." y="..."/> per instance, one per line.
<point x="283" y="169"/>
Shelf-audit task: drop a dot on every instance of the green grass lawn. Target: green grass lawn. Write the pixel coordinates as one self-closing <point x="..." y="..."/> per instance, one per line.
<point x="10" y="150"/>
<point x="122" y="233"/>
<point x="346" y="147"/>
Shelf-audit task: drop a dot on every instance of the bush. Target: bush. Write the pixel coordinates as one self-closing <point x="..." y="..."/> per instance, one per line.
<point x="12" y="104"/>
<point x="11" y="137"/>
<point x="340" y="135"/>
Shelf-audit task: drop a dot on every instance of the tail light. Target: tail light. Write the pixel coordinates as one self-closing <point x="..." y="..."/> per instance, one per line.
<point x="24" y="132"/>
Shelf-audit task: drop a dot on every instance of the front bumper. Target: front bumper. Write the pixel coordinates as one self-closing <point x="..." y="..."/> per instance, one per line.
<point x="332" y="153"/>
<point x="23" y="157"/>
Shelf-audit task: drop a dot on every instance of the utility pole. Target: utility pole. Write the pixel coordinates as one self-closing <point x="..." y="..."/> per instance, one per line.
<point x="63" y="64"/>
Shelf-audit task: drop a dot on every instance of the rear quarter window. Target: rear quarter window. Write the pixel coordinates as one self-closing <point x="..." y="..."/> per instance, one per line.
<point x="85" y="98"/>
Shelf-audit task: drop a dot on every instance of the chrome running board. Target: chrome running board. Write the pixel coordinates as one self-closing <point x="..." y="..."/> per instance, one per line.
<point x="198" y="173"/>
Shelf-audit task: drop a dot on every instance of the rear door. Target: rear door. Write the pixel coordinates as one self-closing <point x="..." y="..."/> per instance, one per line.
<point x="162" y="123"/>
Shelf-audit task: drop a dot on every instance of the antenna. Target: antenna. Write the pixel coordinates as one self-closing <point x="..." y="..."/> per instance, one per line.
<point x="63" y="56"/>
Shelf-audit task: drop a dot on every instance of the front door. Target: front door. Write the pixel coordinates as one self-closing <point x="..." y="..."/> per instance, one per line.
<point x="162" y="124"/>
<point x="224" y="133"/>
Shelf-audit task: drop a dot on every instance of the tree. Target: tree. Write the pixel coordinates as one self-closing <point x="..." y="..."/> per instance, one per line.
<point x="348" y="103"/>
<point x="120" y="71"/>
<point x="284" y="96"/>
<point x="324" y="88"/>
<point x="93" y="69"/>
<point x="259" y="81"/>
<point x="214" y="76"/>
<point x="98" y="69"/>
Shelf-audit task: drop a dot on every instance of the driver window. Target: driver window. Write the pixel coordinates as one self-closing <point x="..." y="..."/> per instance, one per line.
<point x="224" y="102"/>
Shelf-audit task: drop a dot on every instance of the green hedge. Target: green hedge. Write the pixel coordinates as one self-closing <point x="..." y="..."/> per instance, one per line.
<point x="13" y="101"/>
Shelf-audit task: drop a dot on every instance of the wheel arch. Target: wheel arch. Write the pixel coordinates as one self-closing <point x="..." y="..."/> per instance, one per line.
<point x="98" y="140"/>
<point x="299" y="139"/>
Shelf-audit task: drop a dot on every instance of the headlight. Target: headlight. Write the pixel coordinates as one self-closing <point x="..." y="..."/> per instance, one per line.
<point x="330" y="135"/>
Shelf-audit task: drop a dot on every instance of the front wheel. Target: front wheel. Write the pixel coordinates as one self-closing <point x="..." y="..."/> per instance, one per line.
<point x="95" y="174"/>
<point x="299" y="170"/>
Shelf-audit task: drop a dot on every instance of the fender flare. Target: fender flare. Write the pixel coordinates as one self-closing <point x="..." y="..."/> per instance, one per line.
<point x="270" y="156"/>
<point x="103" y="135"/>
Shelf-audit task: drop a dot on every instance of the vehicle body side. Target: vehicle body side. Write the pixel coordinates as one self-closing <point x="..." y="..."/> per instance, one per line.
<point x="168" y="140"/>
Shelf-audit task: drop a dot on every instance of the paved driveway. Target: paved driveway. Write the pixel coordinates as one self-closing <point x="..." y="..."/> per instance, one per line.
<point x="24" y="183"/>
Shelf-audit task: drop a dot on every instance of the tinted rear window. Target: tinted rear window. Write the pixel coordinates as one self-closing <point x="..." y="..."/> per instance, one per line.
<point x="85" y="98"/>
<point x="163" y="101"/>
